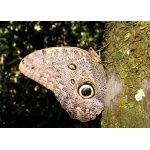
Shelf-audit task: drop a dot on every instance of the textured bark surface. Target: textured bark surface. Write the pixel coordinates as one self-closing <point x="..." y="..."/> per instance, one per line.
<point x="128" y="75"/>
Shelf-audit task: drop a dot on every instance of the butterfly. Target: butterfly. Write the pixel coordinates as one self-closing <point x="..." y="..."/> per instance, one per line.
<point x="76" y="77"/>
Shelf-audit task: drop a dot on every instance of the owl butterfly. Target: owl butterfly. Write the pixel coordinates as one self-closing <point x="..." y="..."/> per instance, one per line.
<point x="74" y="75"/>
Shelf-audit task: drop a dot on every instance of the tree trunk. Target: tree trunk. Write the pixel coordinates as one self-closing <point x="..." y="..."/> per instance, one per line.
<point x="128" y="75"/>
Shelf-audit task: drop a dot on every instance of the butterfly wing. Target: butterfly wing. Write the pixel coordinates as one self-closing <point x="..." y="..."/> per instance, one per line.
<point x="64" y="70"/>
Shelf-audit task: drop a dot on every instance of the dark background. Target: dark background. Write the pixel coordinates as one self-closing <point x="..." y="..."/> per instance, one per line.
<point x="23" y="102"/>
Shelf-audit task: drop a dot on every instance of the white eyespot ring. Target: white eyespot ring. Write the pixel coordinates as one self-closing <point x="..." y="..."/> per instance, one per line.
<point x="86" y="91"/>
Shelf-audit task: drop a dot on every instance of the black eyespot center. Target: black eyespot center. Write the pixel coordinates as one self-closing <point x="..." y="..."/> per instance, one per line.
<point x="86" y="91"/>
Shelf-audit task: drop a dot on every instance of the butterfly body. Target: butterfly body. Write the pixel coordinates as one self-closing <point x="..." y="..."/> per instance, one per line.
<point x="76" y="77"/>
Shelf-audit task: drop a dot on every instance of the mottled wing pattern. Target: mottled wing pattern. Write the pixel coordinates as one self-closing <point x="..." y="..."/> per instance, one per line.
<point x="75" y="76"/>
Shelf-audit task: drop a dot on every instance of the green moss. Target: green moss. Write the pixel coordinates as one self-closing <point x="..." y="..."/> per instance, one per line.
<point x="129" y="53"/>
<point x="127" y="115"/>
<point x="110" y="121"/>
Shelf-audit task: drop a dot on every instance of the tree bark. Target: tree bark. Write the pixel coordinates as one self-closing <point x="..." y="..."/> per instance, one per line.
<point x="127" y="100"/>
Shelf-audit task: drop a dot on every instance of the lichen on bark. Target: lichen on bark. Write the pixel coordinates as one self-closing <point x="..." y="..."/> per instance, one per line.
<point x="129" y="54"/>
